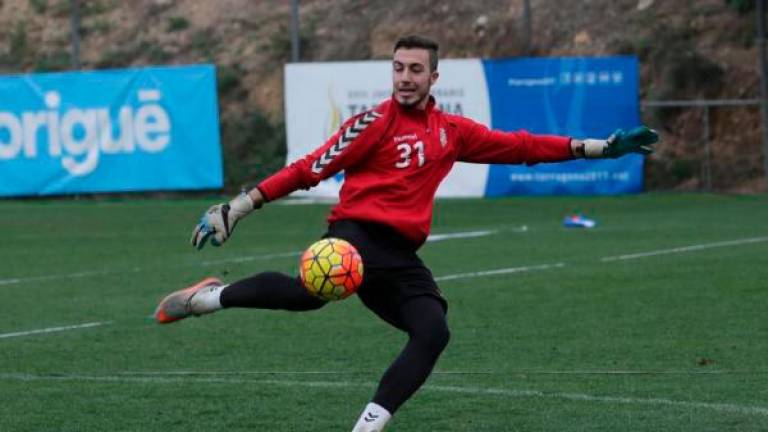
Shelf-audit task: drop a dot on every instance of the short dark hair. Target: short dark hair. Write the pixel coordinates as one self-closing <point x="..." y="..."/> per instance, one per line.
<point x="416" y="41"/>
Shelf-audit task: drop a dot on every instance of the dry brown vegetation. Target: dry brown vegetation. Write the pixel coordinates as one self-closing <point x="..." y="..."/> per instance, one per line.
<point x="688" y="50"/>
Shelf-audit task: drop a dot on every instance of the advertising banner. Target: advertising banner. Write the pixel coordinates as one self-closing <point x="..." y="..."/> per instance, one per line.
<point x="320" y="96"/>
<point x="585" y="97"/>
<point x="109" y="131"/>
<point x="578" y="97"/>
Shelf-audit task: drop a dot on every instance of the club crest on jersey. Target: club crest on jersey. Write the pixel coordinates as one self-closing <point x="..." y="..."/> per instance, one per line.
<point x="443" y="137"/>
<point x="345" y="138"/>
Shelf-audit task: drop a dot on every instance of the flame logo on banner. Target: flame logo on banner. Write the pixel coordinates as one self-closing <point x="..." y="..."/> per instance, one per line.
<point x="334" y="122"/>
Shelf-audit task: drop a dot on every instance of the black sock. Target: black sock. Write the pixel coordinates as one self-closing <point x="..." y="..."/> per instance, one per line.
<point x="428" y="334"/>
<point x="270" y="290"/>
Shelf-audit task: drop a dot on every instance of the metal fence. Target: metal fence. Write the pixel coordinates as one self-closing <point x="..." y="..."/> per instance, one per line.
<point x="705" y="107"/>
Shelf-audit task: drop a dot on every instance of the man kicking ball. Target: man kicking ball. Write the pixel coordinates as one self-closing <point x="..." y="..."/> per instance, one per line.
<point x="394" y="158"/>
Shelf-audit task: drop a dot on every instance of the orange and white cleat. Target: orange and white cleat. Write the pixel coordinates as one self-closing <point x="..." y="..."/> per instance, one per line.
<point x="199" y="299"/>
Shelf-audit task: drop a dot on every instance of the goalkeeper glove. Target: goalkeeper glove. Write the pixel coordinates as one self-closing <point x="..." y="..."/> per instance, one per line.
<point x="219" y="221"/>
<point x="638" y="140"/>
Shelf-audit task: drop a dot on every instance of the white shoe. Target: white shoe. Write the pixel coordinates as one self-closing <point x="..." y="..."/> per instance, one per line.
<point x="373" y="419"/>
<point x="181" y="304"/>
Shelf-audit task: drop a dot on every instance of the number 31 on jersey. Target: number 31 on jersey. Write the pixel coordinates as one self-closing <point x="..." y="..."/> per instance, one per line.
<point x="406" y="151"/>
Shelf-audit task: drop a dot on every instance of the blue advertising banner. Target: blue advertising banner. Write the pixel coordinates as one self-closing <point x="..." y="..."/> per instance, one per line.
<point x="580" y="97"/>
<point x="109" y="131"/>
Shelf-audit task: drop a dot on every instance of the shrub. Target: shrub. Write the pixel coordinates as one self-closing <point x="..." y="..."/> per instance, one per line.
<point x="742" y="6"/>
<point x="39" y="6"/>
<point x="177" y="24"/>
<point x="227" y="79"/>
<point x="19" y="45"/>
<point x="204" y="43"/>
<point x="58" y="61"/>
<point x="115" y="58"/>
<point x="254" y="147"/>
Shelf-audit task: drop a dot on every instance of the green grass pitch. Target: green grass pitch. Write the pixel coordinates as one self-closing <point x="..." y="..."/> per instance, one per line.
<point x="672" y="337"/>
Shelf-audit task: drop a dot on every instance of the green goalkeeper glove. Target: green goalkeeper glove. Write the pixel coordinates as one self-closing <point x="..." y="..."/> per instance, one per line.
<point x="219" y="221"/>
<point x="638" y="140"/>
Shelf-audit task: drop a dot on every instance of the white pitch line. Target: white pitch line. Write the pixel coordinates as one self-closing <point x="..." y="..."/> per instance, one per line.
<point x="475" y="391"/>
<point x="233" y="260"/>
<point x="64" y="276"/>
<point x="307" y="201"/>
<point x="722" y="407"/>
<point x="250" y="258"/>
<point x="459" y="235"/>
<point x="445" y="372"/>
<point x="499" y="271"/>
<point x="435" y="237"/>
<point x="83" y="274"/>
<point x="683" y="249"/>
<point x="54" y="329"/>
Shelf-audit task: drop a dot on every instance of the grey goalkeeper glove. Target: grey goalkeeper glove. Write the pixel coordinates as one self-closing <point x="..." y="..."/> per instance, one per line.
<point x="638" y="140"/>
<point x="219" y="221"/>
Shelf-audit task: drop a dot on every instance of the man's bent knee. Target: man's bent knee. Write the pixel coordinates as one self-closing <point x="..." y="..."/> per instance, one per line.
<point x="432" y="333"/>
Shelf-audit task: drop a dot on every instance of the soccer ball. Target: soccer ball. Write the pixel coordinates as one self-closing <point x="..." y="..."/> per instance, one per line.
<point x="331" y="269"/>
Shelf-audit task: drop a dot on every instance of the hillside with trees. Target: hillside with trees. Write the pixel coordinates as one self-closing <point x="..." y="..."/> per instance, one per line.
<point x="688" y="50"/>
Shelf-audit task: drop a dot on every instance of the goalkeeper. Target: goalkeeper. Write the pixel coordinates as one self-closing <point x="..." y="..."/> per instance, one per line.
<point x="394" y="157"/>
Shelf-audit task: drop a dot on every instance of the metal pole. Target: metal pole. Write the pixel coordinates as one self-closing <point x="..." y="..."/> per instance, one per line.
<point x="295" y="31"/>
<point x="527" y="26"/>
<point x="707" y="151"/>
<point x="763" y="81"/>
<point x="74" y="23"/>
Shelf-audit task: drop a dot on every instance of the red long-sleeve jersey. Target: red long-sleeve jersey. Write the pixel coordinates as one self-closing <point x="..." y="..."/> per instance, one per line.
<point x="394" y="158"/>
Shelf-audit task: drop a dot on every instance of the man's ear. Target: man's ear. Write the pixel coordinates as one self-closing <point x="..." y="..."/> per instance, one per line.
<point x="433" y="77"/>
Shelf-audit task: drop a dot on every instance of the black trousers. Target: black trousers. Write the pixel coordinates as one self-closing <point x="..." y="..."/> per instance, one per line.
<point x="422" y="317"/>
<point x="396" y="286"/>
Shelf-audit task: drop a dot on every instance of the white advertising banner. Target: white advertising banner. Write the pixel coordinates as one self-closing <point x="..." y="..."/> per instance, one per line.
<point x="319" y="97"/>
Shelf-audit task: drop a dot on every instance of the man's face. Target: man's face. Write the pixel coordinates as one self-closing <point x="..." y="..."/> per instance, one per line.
<point x="411" y="77"/>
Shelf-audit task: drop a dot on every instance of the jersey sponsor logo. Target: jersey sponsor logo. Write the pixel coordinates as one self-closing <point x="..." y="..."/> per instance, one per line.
<point x="345" y="138"/>
<point x="409" y="137"/>
<point x="443" y="137"/>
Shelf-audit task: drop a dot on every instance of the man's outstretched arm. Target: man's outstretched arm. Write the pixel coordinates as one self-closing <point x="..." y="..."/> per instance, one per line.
<point x="342" y="150"/>
<point x="218" y="222"/>
<point x="637" y="140"/>
<point x="482" y="145"/>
